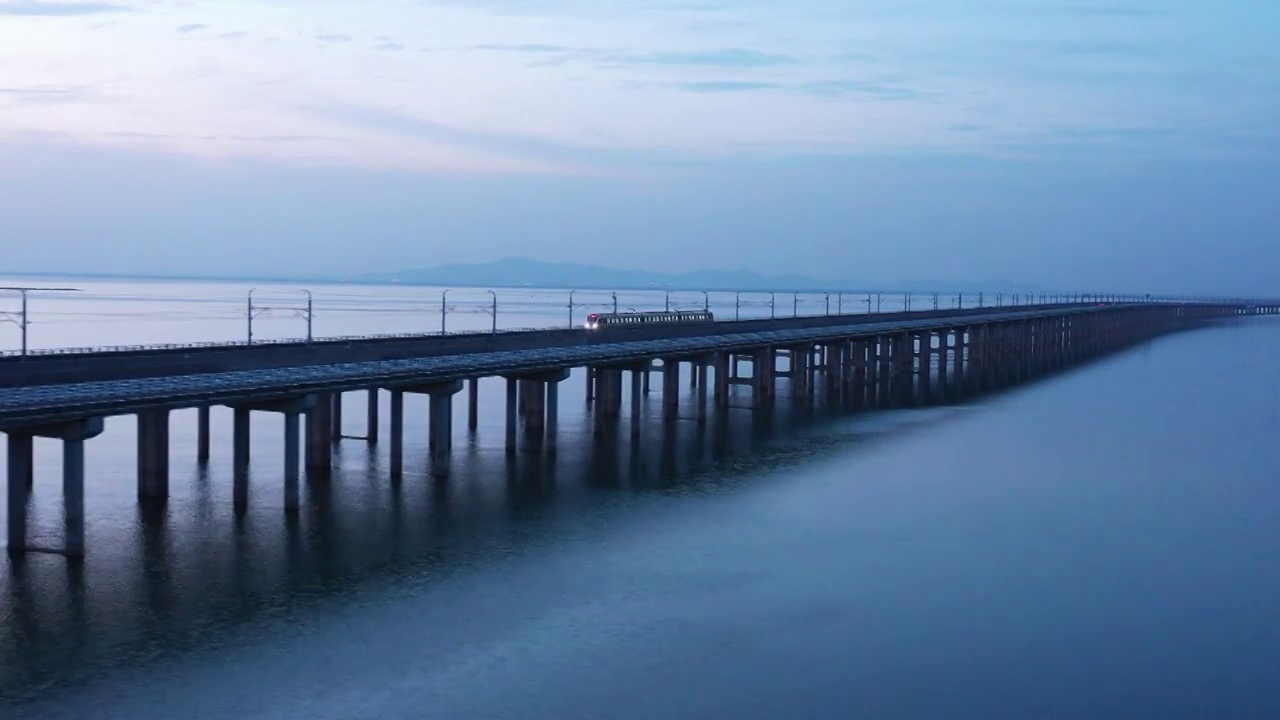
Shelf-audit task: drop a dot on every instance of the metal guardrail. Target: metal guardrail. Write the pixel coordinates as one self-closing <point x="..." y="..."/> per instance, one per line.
<point x="872" y="301"/>
<point x="324" y="340"/>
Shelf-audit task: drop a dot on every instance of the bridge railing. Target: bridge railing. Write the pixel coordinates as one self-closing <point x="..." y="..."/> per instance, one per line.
<point x="824" y="303"/>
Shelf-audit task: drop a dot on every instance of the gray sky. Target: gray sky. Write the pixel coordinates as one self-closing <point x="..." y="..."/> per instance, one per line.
<point x="1128" y="145"/>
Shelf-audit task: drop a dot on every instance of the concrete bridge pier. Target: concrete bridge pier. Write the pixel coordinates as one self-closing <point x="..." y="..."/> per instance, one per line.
<point x="591" y="384"/>
<point x="999" y="356"/>
<point x="202" y="435"/>
<point x="721" y="391"/>
<point x="1026" y="358"/>
<point x="291" y="409"/>
<point x="22" y="444"/>
<point x="440" y="443"/>
<point x="883" y="371"/>
<point x="924" y="362"/>
<point x="856" y="374"/>
<point x="396" y="412"/>
<point x="614" y="401"/>
<point x="988" y="356"/>
<point x="153" y="454"/>
<point x="943" y="391"/>
<point x="240" y="439"/>
<point x="371" y="418"/>
<point x="473" y="404"/>
<point x="21" y="468"/>
<point x="21" y="461"/>
<point x="335" y="417"/>
<point x="320" y="435"/>
<point x="763" y="369"/>
<point x="637" y="400"/>
<point x="512" y="413"/>
<point x="542" y="409"/>
<point x="440" y="428"/>
<point x="700" y="384"/>
<point x="905" y="361"/>
<point x="608" y="401"/>
<point x="670" y="388"/>
<point x="533" y="393"/>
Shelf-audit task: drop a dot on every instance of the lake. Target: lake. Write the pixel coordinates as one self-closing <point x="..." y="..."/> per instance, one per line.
<point x="1099" y="544"/>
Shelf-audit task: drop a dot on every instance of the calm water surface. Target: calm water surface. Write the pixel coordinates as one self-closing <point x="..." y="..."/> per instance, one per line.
<point x="1097" y="545"/>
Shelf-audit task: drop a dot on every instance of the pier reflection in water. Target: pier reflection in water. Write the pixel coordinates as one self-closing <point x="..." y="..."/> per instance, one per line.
<point x="164" y="578"/>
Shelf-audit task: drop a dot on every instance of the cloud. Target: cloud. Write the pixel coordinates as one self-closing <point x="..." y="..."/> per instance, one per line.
<point x="1091" y="11"/>
<point x="1114" y="48"/>
<point x="723" y="86"/>
<point x="858" y="87"/>
<point x="57" y="9"/>
<point x="564" y="157"/>
<point x="43" y="95"/>
<point x="522" y="48"/>
<point x="191" y="28"/>
<point x="332" y="37"/>
<point x="729" y="57"/>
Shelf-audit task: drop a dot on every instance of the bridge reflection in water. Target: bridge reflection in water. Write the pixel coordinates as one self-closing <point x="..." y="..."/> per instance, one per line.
<point x="192" y="574"/>
<point x="893" y="361"/>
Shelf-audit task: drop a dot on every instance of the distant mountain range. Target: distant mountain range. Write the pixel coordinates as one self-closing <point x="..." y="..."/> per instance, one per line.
<point x="524" y="272"/>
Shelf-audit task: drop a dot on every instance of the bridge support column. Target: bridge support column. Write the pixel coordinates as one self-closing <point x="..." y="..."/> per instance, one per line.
<point x="73" y="496"/>
<point x="884" y="371"/>
<point x="441" y="440"/>
<point x="335" y="417"/>
<point x="292" y="451"/>
<point x="834" y="358"/>
<point x="541" y="393"/>
<point x="319" y="435"/>
<point x="21" y="446"/>
<point x="153" y="454"/>
<point x="512" y="413"/>
<point x="371" y="418"/>
<point x="722" y="379"/>
<point x="637" y="400"/>
<point x="291" y="409"/>
<point x="615" y="392"/>
<point x="534" y="393"/>
<point x="440" y="428"/>
<point x="473" y="404"/>
<point x="852" y="379"/>
<point x="397" y="433"/>
<point x="924" y="375"/>
<point x="202" y="434"/>
<point x="700" y="383"/>
<point x="591" y="384"/>
<point x="762" y="376"/>
<point x="240" y="438"/>
<point x="943" y="387"/>
<point x="21" y="462"/>
<point x="670" y="388"/>
<point x="552" y="428"/>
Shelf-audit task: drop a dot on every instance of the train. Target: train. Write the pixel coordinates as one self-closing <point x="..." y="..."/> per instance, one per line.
<point x="601" y="321"/>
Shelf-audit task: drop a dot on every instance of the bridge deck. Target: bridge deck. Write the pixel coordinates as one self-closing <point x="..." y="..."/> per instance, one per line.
<point x="58" y="402"/>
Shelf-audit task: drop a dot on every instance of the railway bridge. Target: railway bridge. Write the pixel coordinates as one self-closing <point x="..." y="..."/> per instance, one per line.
<point x="861" y="361"/>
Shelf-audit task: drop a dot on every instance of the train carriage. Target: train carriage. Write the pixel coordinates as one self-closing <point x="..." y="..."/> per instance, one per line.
<point x="602" y="321"/>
